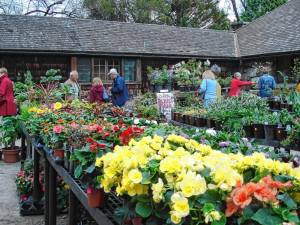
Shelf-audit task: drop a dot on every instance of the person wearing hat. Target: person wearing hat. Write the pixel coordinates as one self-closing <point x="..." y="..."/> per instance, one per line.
<point x="266" y="83"/>
<point x="119" y="89"/>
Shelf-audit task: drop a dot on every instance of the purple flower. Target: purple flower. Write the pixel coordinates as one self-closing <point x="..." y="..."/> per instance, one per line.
<point x="224" y="144"/>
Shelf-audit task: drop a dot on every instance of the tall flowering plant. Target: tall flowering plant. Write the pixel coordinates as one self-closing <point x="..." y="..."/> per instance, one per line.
<point x="175" y="180"/>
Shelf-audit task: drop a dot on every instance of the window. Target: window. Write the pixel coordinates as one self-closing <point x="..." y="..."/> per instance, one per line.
<point x="84" y="69"/>
<point x="129" y="68"/>
<point x="102" y="66"/>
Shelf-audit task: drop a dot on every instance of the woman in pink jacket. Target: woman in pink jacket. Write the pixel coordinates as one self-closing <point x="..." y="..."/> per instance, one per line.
<point x="7" y="103"/>
<point x="236" y="85"/>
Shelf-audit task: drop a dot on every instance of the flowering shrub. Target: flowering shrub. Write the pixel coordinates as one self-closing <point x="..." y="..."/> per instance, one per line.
<point x="192" y="183"/>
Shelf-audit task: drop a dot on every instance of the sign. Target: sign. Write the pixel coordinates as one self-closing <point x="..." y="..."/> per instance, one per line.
<point x="166" y="103"/>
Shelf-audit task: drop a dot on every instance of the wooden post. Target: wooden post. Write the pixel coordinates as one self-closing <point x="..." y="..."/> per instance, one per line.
<point x="37" y="192"/>
<point x="46" y="211"/>
<point x="73" y="63"/>
<point x="73" y="202"/>
<point x="52" y="195"/>
<point x="23" y="150"/>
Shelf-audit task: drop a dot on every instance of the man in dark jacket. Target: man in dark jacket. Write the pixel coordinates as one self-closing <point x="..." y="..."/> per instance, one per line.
<point x="119" y="89"/>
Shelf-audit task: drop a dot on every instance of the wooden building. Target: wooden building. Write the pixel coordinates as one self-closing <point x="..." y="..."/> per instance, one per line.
<point x="93" y="47"/>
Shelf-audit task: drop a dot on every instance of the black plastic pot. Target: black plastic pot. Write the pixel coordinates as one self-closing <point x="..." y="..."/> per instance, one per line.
<point x="259" y="131"/>
<point x="276" y="105"/>
<point x="283" y="105"/>
<point x="249" y="130"/>
<point x="290" y="107"/>
<point x="281" y="133"/>
<point x="192" y="121"/>
<point x="270" y="132"/>
<point x="211" y="123"/>
<point x="200" y="122"/>
<point x="270" y="103"/>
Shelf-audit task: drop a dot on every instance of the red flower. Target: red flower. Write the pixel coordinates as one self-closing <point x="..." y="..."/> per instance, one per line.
<point x="89" y="140"/>
<point x="115" y="128"/>
<point x="101" y="145"/>
<point x="93" y="148"/>
<point x="106" y="135"/>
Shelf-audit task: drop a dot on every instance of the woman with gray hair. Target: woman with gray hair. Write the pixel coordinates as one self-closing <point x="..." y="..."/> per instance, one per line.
<point x="237" y="83"/>
<point x="72" y="82"/>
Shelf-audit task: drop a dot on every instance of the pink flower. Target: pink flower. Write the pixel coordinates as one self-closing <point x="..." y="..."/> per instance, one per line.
<point x="58" y="129"/>
<point x="74" y="125"/>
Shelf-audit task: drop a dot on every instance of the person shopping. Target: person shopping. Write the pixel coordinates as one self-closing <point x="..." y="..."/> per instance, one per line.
<point x="236" y="84"/>
<point x="96" y="92"/>
<point x="72" y="82"/>
<point x="266" y="83"/>
<point x="7" y="103"/>
<point x="208" y="88"/>
<point x="119" y="89"/>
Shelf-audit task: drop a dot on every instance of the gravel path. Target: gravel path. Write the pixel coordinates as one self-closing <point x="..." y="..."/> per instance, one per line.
<point x="9" y="206"/>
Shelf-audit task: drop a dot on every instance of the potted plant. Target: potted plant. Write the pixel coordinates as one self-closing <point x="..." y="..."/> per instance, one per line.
<point x="258" y="126"/>
<point x="9" y="132"/>
<point x="248" y="127"/>
<point x="270" y="124"/>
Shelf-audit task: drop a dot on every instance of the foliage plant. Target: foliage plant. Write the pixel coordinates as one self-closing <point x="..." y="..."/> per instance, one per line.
<point x="231" y="112"/>
<point x="189" y="73"/>
<point x="146" y="106"/>
<point x="159" y="77"/>
<point x="296" y="69"/>
<point x="9" y="131"/>
<point x="23" y="91"/>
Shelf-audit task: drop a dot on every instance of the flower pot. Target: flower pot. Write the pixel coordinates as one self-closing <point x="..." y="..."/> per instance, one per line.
<point x="270" y="103"/>
<point x="249" y="131"/>
<point x="137" y="221"/>
<point x="283" y="105"/>
<point x="200" y="122"/>
<point x="281" y="133"/>
<point x="290" y="107"/>
<point x="59" y="153"/>
<point x="192" y="121"/>
<point x="276" y="105"/>
<point x="270" y="132"/>
<point x="211" y="123"/>
<point x="259" y="132"/>
<point x="95" y="197"/>
<point x="158" y="88"/>
<point x="11" y="155"/>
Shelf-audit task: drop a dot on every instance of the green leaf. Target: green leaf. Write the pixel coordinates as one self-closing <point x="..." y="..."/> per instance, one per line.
<point x="211" y="196"/>
<point x="146" y="177"/>
<point x="78" y="172"/>
<point x="289" y="216"/>
<point x="287" y="200"/>
<point x="208" y="207"/>
<point x="222" y="221"/>
<point x="143" y="209"/>
<point x="283" y="178"/>
<point x="248" y="175"/>
<point x="90" y="169"/>
<point x="266" y="216"/>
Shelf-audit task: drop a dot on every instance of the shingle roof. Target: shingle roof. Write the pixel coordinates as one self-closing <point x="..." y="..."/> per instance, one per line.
<point x="276" y="32"/>
<point x="94" y="36"/>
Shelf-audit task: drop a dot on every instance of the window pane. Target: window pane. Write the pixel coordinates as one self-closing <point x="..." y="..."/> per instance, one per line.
<point x="84" y="69"/>
<point x="96" y="62"/>
<point x="96" y="71"/>
<point x="129" y="68"/>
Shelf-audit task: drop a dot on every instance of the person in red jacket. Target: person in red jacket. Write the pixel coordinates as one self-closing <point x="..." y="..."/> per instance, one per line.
<point x="7" y="102"/>
<point x="96" y="92"/>
<point x="236" y="84"/>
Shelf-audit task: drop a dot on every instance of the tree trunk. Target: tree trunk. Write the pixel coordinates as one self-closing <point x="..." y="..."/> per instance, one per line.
<point x="235" y="10"/>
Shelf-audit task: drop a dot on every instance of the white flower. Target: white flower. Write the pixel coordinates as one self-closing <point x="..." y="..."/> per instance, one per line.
<point x="211" y="132"/>
<point x="154" y="121"/>
<point x="136" y="121"/>
<point x="245" y="139"/>
<point x="207" y="63"/>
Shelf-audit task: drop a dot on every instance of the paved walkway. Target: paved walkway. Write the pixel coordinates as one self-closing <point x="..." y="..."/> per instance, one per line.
<point x="9" y="206"/>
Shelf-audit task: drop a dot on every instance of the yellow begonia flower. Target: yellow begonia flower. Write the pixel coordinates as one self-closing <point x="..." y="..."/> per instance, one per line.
<point x="57" y="106"/>
<point x="33" y="109"/>
<point x="175" y="217"/>
<point x="135" y="176"/>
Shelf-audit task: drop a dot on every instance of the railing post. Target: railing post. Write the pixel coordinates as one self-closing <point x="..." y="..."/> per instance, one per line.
<point x="52" y="195"/>
<point x="46" y="210"/>
<point x="37" y="192"/>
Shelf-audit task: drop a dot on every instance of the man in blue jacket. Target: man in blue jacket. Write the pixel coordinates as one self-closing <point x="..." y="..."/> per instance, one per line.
<point x="266" y="83"/>
<point x="119" y="89"/>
